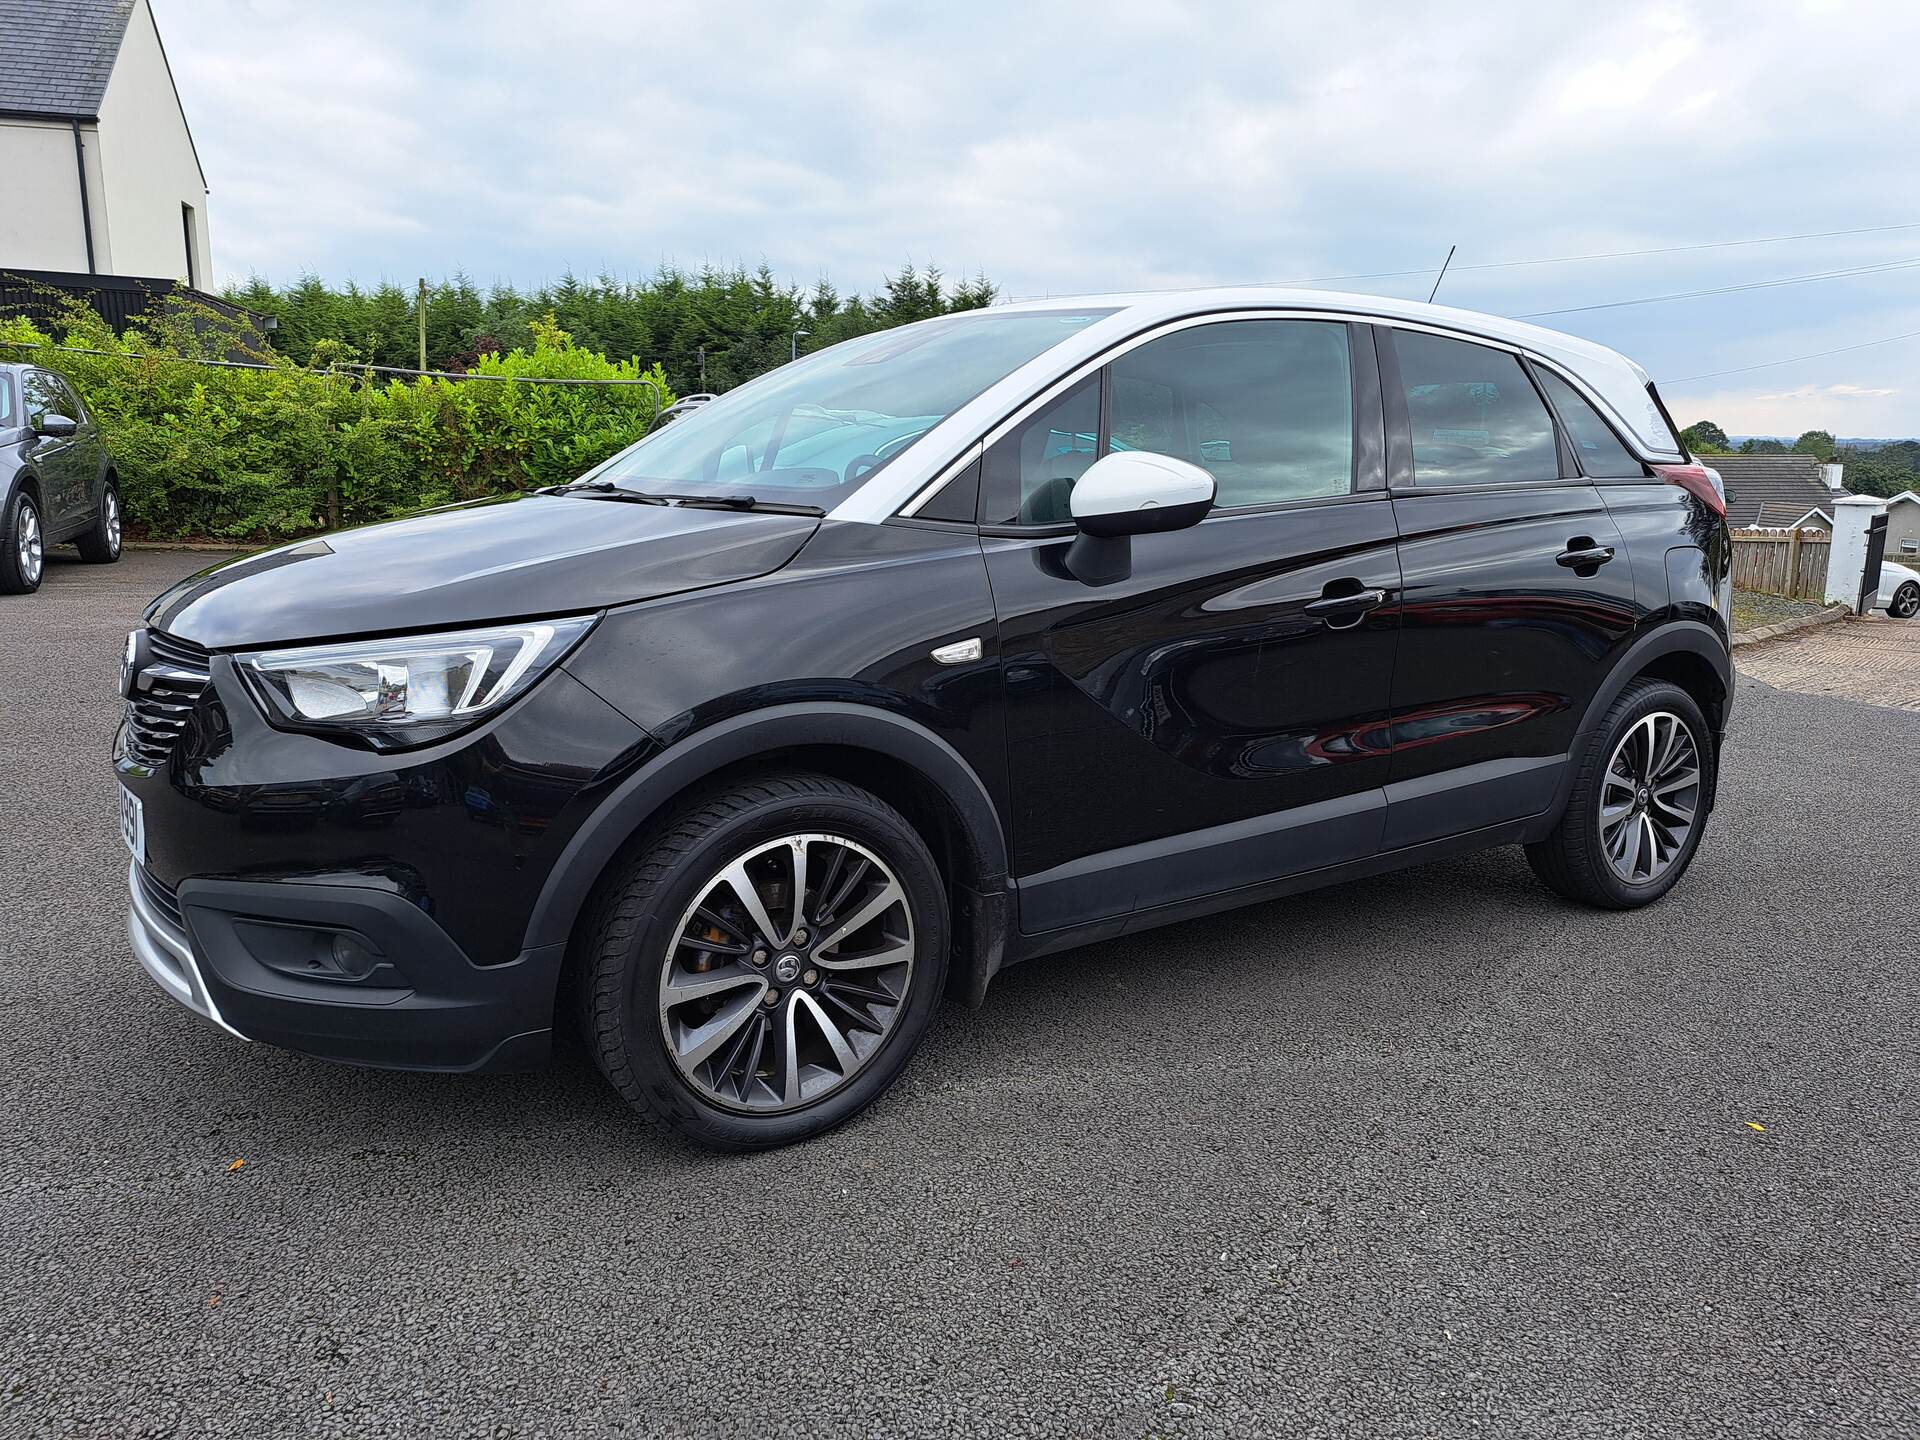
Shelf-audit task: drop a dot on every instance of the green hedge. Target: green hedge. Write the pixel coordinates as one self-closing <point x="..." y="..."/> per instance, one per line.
<point x="261" y="455"/>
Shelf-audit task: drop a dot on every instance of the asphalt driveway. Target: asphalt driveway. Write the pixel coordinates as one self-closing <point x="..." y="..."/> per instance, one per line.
<point x="1434" y="1155"/>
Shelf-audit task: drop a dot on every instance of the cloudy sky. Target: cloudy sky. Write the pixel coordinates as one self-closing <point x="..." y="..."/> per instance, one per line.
<point x="1066" y="148"/>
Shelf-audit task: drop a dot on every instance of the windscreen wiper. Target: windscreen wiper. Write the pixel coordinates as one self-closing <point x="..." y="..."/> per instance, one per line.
<point x="607" y="490"/>
<point x="601" y="490"/>
<point x="741" y="502"/>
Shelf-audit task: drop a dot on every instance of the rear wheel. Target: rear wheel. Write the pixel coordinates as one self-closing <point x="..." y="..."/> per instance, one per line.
<point x="768" y="964"/>
<point x="1906" y="602"/>
<point x="100" y="544"/>
<point x="23" y="546"/>
<point x="1633" y="822"/>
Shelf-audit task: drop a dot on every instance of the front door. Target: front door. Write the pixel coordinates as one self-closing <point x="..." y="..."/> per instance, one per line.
<point x="1215" y="720"/>
<point x="58" y="462"/>
<point x="1518" y="591"/>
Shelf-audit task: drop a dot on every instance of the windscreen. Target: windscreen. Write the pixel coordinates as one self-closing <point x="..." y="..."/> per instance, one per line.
<point x="811" y="432"/>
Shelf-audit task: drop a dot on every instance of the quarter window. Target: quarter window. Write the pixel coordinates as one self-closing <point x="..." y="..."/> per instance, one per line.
<point x="1265" y="405"/>
<point x="1475" y="416"/>
<point x="1601" y="453"/>
<point x="1039" y="460"/>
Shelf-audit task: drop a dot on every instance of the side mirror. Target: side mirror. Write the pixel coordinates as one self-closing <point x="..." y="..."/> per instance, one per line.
<point x="1128" y="493"/>
<point x="56" y="427"/>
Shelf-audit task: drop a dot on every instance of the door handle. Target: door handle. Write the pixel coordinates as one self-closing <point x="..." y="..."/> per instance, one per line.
<point x="1341" y="610"/>
<point x="1582" y="554"/>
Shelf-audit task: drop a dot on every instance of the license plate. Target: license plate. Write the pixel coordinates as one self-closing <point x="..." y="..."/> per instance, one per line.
<point x="133" y="824"/>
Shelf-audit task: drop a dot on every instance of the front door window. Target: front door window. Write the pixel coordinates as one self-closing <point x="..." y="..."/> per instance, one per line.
<point x="1265" y="405"/>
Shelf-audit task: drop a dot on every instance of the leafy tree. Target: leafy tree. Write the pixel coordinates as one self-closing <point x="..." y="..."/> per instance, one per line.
<point x="730" y="324"/>
<point x="1705" y="437"/>
<point x="1762" y="447"/>
<point x="1873" y="475"/>
<point x="1815" y="442"/>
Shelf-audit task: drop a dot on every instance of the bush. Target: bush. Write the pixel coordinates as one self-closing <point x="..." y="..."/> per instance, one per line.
<point x="204" y="450"/>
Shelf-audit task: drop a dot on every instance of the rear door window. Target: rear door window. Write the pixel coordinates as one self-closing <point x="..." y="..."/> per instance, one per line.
<point x="1601" y="453"/>
<point x="1474" y="414"/>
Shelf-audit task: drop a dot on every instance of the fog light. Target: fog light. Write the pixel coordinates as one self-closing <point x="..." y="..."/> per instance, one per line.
<point x="311" y="952"/>
<point x="351" y="958"/>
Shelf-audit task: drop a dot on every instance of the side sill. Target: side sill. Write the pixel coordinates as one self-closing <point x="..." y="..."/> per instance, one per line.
<point x="1113" y="883"/>
<point x="1474" y="797"/>
<point x="1511" y="832"/>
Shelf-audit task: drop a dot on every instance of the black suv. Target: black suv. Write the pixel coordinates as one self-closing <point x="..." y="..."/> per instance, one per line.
<point x="933" y="652"/>
<point x="56" y="479"/>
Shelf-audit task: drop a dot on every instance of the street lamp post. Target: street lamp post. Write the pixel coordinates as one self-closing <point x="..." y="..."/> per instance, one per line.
<point x="793" y="348"/>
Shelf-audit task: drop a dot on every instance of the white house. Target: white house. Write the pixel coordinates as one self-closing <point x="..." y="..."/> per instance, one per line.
<point x="1903" y="526"/>
<point x="98" y="173"/>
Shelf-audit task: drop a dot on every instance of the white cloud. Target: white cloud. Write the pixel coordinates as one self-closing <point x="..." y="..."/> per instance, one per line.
<point x="1091" y="146"/>
<point x="1804" y="393"/>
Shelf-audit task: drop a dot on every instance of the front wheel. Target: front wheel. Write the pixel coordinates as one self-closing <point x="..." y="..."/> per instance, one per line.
<point x="768" y="963"/>
<point x="23" y="548"/>
<point x="1906" y="601"/>
<point x="1639" y="800"/>
<point x="99" y="544"/>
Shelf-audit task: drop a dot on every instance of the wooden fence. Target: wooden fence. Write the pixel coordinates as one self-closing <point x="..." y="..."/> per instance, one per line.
<point x="1782" y="562"/>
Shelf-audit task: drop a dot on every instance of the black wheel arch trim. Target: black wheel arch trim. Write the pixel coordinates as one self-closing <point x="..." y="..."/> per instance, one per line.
<point x="1675" y="637"/>
<point x="727" y="742"/>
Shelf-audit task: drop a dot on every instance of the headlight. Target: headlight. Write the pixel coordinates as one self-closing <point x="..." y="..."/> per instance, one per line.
<point x="410" y="689"/>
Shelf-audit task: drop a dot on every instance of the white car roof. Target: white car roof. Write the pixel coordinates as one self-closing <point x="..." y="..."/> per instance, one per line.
<point x="1615" y="384"/>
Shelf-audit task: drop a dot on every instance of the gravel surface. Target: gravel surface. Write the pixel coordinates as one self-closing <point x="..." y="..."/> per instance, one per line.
<point x="1430" y="1155"/>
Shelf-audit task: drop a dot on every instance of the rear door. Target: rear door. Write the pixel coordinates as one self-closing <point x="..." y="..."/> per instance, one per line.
<point x="1209" y="722"/>
<point x="1518" y="593"/>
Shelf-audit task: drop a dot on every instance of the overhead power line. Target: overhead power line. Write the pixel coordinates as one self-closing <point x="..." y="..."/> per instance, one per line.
<point x="1628" y="254"/>
<point x="1793" y="359"/>
<point x="1726" y="289"/>
<point x="1607" y="254"/>
<point x="1571" y="259"/>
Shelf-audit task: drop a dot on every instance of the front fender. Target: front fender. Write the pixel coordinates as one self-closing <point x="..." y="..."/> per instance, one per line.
<point x="685" y="763"/>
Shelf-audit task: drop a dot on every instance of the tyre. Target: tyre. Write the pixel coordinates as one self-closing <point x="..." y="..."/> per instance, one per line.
<point x="1906" y="602"/>
<point x="1634" y="819"/>
<point x="767" y="962"/>
<point x="100" y="543"/>
<point x="23" y="546"/>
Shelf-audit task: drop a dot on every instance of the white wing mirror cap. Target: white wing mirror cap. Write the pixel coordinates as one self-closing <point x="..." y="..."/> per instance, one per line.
<point x="1136" y="492"/>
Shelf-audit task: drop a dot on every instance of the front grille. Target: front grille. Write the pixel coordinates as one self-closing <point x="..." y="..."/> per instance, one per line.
<point x="174" y="678"/>
<point x="161" y="896"/>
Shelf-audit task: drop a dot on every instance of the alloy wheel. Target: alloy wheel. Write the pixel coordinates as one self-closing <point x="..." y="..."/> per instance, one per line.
<point x="112" y="504"/>
<point x="787" y="973"/>
<point x="28" y="544"/>
<point x="1650" y="798"/>
<point x="1906" y="602"/>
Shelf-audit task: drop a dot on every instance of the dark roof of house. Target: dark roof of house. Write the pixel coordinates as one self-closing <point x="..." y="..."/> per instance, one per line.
<point x="1779" y="482"/>
<point x="1787" y="514"/>
<point x="56" y="56"/>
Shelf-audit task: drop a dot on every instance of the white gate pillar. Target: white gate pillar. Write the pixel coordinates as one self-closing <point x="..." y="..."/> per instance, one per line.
<point x="1847" y="560"/>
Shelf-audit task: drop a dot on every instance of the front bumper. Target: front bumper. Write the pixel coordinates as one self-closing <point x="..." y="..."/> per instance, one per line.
<point x="165" y="952"/>
<point x="231" y="952"/>
<point x="266" y="852"/>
